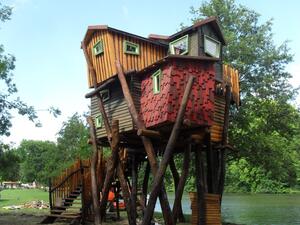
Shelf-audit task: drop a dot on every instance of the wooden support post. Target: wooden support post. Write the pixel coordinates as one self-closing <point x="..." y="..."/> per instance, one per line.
<point x="200" y="187"/>
<point x="99" y="98"/>
<point x="134" y="186"/>
<point x="108" y="133"/>
<point x="95" y="192"/>
<point x="148" y="133"/>
<point x="111" y="166"/>
<point x="168" y="153"/>
<point x="176" y="179"/>
<point x="126" y="195"/>
<point x="145" y="184"/>
<point x="181" y="183"/>
<point x="166" y="210"/>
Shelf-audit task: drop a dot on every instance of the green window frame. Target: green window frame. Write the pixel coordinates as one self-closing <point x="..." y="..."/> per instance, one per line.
<point x="156" y="80"/>
<point x="98" y="121"/>
<point x="98" y="48"/>
<point x="131" y="48"/>
<point x="105" y="94"/>
<point x="180" y="46"/>
<point x="212" y="47"/>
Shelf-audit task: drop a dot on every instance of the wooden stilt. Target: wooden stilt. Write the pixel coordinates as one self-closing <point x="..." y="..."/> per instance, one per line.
<point x="145" y="184"/>
<point x="167" y="154"/>
<point x="134" y="187"/>
<point x="200" y="187"/>
<point x="179" y="212"/>
<point x="126" y="195"/>
<point x="108" y="133"/>
<point x="111" y="165"/>
<point x="181" y="183"/>
<point x="166" y="210"/>
<point x="95" y="192"/>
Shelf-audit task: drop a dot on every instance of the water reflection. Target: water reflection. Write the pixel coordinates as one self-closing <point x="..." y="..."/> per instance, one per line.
<point x="261" y="209"/>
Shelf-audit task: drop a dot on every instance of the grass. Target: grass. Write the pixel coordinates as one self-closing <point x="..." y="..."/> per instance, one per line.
<point x="20" y="196"/>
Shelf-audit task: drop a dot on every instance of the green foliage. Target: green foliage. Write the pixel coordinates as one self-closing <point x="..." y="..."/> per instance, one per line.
<point x="72" y="139"/>
<point x="265" y="130"/>
<point x="9" y="164"/>
<point x="39" y="160"/>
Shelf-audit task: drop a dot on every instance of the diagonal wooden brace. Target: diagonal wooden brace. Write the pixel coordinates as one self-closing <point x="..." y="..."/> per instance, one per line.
<point x="166" y="210"/>
<point x="168" y="153"/>
<point x="108" y="129"/>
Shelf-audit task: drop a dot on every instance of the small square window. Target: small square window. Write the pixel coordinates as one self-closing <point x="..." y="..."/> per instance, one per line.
<point x="131" y="48"/>
<point x="105" y="95"/>
<point x="212" y="47"/>
<point x="98" y="48"/>
<point x="156" y="79"/>
<point x="180" y="46"/>
<point x="98" y="121"/>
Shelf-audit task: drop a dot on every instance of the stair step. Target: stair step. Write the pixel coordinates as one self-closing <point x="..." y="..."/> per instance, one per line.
<point x="67" y="207"/>
<point x="72" y="198"/>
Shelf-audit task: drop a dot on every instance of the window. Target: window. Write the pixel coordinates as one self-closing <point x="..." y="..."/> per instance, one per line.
<point x="156" y="78"/>
<point x="180" y="46"/>
<point x="212" y="47"/>
<point x="105" y="95"/>
<point x="98" y="121"/>
<point x="98" y="48"/>
<point x="131" y="48"/>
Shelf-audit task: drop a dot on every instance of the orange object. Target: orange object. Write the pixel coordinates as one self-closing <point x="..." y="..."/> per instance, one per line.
<point x="111" y="196"/>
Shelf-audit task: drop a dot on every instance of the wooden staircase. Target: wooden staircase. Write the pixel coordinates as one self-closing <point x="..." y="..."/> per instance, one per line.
<point x="69" y="195"/>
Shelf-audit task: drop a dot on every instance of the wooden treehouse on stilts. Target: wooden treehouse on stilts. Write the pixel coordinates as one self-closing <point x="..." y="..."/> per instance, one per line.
<point x="158" y="96"/>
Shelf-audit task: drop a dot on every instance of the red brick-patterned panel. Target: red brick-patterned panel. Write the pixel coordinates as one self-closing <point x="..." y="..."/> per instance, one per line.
<point x="160" y="108"/>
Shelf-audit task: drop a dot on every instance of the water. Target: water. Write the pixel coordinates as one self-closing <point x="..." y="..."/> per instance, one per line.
<point x="254" y="209"/>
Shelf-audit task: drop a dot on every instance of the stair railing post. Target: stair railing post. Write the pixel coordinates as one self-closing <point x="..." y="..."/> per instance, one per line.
<point x="50" y="195"/>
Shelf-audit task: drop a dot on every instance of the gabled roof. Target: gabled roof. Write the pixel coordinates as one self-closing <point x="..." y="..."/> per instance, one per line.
<point x="213" y="21"/>
<point x="92" y="29"/>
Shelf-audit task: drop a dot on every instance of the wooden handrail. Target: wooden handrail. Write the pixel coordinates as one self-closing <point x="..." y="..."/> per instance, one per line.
<point x="66" y="178"/>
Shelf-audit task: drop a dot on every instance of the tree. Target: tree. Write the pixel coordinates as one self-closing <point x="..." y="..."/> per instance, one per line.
<point x="9" y="164"/>
<point x="72" y="139"/>
<point x="266" y="125"/>
<point x="39" y="160"/>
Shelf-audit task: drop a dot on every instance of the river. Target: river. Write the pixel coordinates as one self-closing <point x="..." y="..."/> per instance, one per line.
<point x="252" y="209"/>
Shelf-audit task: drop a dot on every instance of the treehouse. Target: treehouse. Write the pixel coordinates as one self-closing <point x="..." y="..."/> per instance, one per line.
<point x="161" y="95"/>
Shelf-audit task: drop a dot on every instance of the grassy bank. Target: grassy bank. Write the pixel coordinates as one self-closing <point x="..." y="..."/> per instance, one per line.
<point x="11" y="197"/>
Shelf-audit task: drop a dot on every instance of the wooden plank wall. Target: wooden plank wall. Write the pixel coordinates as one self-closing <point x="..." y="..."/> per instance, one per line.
<point x="212" y="208"/>
<point x="116" y="106"/>
<point x="231" y="76"/>
<point x="104" y="63"/>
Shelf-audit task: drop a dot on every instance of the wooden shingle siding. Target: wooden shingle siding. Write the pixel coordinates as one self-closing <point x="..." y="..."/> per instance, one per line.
<point x="116" y="106"/>
<point x="113" y="44"/>
<point x="218" y="122"/>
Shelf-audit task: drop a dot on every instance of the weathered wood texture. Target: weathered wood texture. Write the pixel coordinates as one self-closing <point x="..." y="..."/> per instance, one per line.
<point x="95" y="192"/>
<point x="177" y="208"/>
<point x="116" y="107"/>
<point x="231" y="77"/>
<point x="218" y="122"/>
<point x="112" y="164"/>
<point x="212" y="209"/>
<point x="167" y="214"/>
<point x="113" y="49"/>
<point x="168" y="153"/>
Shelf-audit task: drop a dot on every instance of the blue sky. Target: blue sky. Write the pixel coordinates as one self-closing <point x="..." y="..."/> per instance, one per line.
<point x="45" y="37"/>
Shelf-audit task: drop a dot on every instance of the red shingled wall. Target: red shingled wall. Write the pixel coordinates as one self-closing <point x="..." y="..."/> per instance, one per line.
<point x="157" y="109"/>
